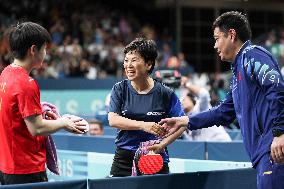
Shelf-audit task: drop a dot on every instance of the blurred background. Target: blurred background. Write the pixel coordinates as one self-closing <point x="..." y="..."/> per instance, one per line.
<point x="85" y="60"/>
<point x="86" y="55"/>
<point x="88" y="37"/>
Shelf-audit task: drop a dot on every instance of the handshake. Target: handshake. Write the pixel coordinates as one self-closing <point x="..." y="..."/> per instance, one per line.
<point x="166" y="126"/>
<point x="70" y="123"/>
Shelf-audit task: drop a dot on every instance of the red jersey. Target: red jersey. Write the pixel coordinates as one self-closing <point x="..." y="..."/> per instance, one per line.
<point x="20" y="152"/>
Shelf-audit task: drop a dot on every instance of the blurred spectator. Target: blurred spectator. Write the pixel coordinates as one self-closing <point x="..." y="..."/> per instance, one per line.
<point x="173" y="63"/>
<point x="271" y="39"/>
<point x="96" y="127"/>
<point x="185" y="68"/>
<point x="165" y="55"/>
<point x="198" y="100"/>
<point x="57" y="31"/>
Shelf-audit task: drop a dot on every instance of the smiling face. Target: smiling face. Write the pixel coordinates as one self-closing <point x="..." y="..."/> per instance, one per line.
<point x="224" y="45"/>
<point x="135" y="66"/>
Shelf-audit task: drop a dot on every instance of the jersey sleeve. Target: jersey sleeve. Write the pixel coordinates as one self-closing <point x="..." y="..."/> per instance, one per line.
<point x="264" y="71"/>
<point x="115" y="99"/>
<point x="219" y="115"/>
<point x="29" y="99"/>
<point x="176" y="109"/>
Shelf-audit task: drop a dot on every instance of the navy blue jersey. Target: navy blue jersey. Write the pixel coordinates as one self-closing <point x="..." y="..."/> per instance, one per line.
<point x="160" y="102"/>
<point x="256" y="99"/>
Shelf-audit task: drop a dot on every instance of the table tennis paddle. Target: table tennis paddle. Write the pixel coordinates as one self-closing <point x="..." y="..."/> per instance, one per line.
<point x="150" y="163"/>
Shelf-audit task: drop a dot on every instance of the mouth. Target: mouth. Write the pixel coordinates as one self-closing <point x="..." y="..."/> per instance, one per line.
<point x="130" y="73"/>
<point x="219" y="53"/>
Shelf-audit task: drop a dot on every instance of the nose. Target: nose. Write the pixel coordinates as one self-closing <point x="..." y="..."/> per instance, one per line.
<point x="215" y="45"/>
<point x="127" y="64"/>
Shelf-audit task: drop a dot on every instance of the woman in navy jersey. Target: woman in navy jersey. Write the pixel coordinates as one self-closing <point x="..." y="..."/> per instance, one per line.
<point x="137" y="104"/>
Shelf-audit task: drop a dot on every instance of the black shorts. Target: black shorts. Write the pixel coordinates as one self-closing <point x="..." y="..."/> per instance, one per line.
<point x="123" y="161"/>
<point x="22" y="178"/>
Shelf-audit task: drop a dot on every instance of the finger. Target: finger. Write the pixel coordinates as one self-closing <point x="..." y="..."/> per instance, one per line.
<point x="152" y="132"/>
<point x="161" y="131"/>
<point x="163" y="121"/>
<point x="158" y="128"/>
<point x="273" y="155"/>
<point x="81" y="127"/>
<point x="170" y="132"/>
<point x="277" y="154"/>
<point x="281" y="159"/>
<point x="77" y="131"/>
<point x="51" y="115"/>
<point x="166" y="127"/>
<point x="75" y="119"/>
<point x="280" y="154"/>
<point x="80" y="123"/>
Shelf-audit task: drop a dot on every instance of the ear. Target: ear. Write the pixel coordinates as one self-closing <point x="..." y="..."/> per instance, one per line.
<point x="33" y="50"/>
<point x="149" y="65"/>
<point x="233" y="34"/>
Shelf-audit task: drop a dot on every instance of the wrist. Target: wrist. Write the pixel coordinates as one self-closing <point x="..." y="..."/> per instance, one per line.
<point x="141" y="125"/>
<point x="63" y="122"/>
<point x="186" y="120"/>
<point x="277" y="132"/>
<point x="163" y="145"/>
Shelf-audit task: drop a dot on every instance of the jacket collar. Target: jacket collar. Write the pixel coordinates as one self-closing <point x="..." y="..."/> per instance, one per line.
<point x="234" y="63"/>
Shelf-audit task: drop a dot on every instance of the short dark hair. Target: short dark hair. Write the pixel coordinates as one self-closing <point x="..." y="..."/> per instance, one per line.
<point x="234" y="20"/>
<point x="24" y="35"/>
<point x="147" y="48"/>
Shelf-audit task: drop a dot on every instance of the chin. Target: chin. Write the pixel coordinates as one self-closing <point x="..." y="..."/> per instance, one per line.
<point x="223" y="59"/>
<point x="131" y="78"/>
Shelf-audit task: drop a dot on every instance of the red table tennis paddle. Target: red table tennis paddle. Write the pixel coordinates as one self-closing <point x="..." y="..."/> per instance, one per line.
<point x="150" y="164"/>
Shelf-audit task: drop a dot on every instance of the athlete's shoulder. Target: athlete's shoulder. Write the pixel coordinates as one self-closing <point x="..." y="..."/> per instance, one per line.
<point x="121" y="85"/>
<point x="163" y="87"/>
<point x="256" y="51"/>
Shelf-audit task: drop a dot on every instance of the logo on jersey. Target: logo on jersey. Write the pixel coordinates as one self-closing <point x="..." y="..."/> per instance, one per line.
<point x="155" y="113"/>
<point x="123" y="112"/>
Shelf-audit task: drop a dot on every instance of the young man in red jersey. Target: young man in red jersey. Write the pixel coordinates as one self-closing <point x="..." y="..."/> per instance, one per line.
<point x="22" y="128"/>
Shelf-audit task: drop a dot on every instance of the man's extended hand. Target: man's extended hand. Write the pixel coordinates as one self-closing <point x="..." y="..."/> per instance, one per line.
<point x="173" y="124"/>
<point x="277" y="149"/>
<point x="154" y="128"/>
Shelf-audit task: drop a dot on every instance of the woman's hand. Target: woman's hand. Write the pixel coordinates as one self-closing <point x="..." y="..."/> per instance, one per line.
<point x="157" y="148"/>
<point x="154" y="128"/>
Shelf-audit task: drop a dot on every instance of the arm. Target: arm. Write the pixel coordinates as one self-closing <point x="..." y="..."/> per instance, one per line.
<point x="123" y="123"/>
<point x="38" y="126"/>
<point x="267" y="76"/>
<point x="120" y="122"/>
<point x="157" y="148"/>
<point x="265" y="73"/>
<point x="220" y="115"/>
<point x="175" y="110"/>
